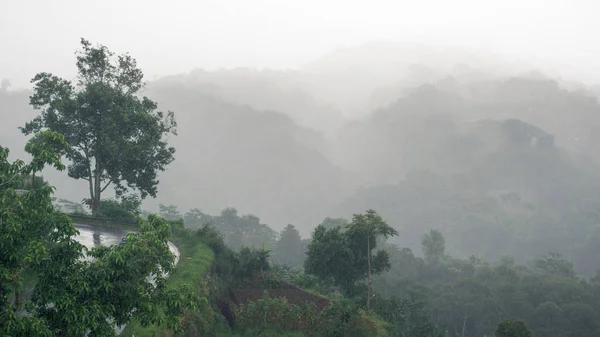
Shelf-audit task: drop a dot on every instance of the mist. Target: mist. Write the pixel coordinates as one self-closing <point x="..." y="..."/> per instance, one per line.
<point x="299" y="111"/>
<point x="466" y="130"/>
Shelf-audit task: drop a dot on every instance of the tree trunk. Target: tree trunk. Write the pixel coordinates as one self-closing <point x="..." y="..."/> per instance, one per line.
<point x="368" y="273"/>
<point x="95" y="206"/>
<point x="17" y="303"/>
<point x="96" y="191"/>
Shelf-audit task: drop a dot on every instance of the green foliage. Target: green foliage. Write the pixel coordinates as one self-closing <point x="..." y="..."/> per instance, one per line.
<point x="289" y="249"/>
<point x="245" y="230"/>
<point x="127" y="209"/>
<point x="276" y="314"/>
<point x="234" y="268"/>
<point x="329" y="258"/>
<point x="252" y="262"/>
<point x="500" y="200"/>
<point x="513" y="328"/>
<point x="345" y="257"/>
<point x="434" y="246"/>
<point x="31" y="234"/>
<point x="195" y="260"/>
<point x="363" y="232"/>
<point x="470" y="296"/>
<point x="169" y="212"/>
<point x="195" y="218"/>
<point x="297" y="276"/>
<point x="331" y="223"/>
<point x="178" y="228"/>
<point x="115" y="137"/>
<point x="74" y="294"/>
<point x="409" y="316"/>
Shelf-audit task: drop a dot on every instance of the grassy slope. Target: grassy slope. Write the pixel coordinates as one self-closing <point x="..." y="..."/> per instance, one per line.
<point x="195" y="258"/>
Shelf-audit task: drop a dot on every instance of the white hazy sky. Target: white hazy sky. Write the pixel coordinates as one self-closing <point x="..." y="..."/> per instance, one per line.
<point x="175" y="36"/>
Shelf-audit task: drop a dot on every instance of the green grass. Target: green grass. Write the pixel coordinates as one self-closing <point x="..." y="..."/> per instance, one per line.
<point x="265" y="333"/>
<point x="195" y="259"/>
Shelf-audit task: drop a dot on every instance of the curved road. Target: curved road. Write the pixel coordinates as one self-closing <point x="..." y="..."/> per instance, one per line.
<point x="95" y="236"/>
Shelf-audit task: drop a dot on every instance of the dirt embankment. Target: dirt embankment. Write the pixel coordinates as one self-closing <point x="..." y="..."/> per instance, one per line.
<point x="293" y="294"/>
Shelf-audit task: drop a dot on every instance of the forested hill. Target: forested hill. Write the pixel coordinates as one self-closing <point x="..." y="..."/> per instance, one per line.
<point x="425" y="126"/>
<point x="257" y="161"/>
<point x="499" y="165"/>
<point x="465" y="161"/>
<point x="288" y="92"/>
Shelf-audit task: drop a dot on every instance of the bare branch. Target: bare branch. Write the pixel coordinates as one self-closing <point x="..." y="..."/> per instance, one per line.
<point x="106" y="186"/>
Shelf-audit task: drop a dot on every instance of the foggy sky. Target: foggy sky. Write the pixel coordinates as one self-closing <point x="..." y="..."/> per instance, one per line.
<point x="177" y="36"/>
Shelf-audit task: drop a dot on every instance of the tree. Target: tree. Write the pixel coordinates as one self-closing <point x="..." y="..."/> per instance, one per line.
<point x="365" y="229"/>
<point x="116" y="138"/>
<point x="554" y="264"/>
<point x="329" y="258"/>
<point x="345" y="257"/>
<point x="245" y="230"/>
<point x="195" y="218"/>
<point x="169" y="212"/>
<point x="289" y="248"/>
<point x="330" y="223"/>
<point x="26" y="222"/>
<point x="513" y="328"/>
<point x="68" y="295"/>
<point x="434" y="246"/>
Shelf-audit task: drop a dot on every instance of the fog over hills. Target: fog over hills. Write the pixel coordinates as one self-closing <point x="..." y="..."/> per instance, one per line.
<point x="412" y="168"/>
<point x="296" y="146"/>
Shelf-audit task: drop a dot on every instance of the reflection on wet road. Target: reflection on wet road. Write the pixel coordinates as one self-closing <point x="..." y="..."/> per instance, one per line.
<point x="96" y="236"/>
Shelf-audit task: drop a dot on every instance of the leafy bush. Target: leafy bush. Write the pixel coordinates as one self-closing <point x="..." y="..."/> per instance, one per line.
<point x="409" y="315"/>
<point x="513" y="328"/>
<point x="178" y="229"/>
<point x="337" y="319"/>
<point x="276" y="313"/>
<point x="127" y="209"/>
<point x="252" y="261"/>
<point x="297" y="276"/>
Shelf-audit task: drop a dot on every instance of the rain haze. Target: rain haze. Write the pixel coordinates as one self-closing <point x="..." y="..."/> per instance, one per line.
<point x="434" y="163"/>
<point x="175" y="37"/>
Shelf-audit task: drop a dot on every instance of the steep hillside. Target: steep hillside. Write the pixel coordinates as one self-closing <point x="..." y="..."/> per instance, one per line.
<point x="256" y="161"/>
<point x="282" y="91"/>
<point x="515" y="193"/>
<point x="227" y="155"/>
<point x="427" y="128"/>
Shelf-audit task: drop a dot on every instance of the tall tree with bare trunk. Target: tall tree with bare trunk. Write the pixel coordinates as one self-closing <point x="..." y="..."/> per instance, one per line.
<point x="117" y="138"/>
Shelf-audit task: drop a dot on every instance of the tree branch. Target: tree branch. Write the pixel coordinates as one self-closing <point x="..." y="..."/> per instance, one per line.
<point x="9" y="180"/>
<point x="105" y="186"/>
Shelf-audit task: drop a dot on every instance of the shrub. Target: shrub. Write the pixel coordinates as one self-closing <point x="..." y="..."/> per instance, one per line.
<point x="178" y="229"/>
<point x="337" y="319"/>
<point x="513" y="328"/>
<point x="409" y="315"/>
<point x="126" y="210"/>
